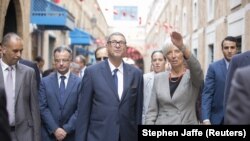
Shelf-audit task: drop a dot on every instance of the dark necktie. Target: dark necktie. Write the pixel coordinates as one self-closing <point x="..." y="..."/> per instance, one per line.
<point x="115" y="79"/>
<point x="62" y="88"/>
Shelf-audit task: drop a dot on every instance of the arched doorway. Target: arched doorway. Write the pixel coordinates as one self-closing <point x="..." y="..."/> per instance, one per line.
<point x="10" y="24"/>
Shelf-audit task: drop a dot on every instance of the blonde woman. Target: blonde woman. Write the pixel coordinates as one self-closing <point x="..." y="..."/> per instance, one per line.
<point x="175" y="92"/>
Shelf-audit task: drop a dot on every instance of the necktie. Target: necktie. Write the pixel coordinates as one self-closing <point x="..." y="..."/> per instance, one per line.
<point x="115" y="79"/>
<point x="62" y="88"/>
<point x="9" y="88"/>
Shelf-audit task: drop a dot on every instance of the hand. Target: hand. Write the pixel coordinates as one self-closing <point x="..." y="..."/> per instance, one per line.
<point x="177" y="39"/>
<point x="60" y="134"/>
<point x="207" y="122"/>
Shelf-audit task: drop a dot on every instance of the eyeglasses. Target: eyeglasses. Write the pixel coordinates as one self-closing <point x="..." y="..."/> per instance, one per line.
<point x="114" y="43"/>
<point x="101" y="58"/>
<point x="62" y="60"/>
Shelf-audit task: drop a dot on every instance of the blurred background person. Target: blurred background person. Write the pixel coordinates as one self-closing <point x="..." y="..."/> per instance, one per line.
<point x="40" y="63"/>
<point x="238" y="61"/>
<point x="213" y="92"/>
<point x="75" y="68"/>
<point x="4" y="121"/>
<point x="101" y="54"/>
<point x="81" y="61"/>
<point x="175" y="92"/>
<point x="158" y="61"/>
<point x="237" y="110"/>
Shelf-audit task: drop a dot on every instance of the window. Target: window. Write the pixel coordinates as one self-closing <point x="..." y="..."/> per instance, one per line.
<point x="195" y="14"/>
<point x="210" y="53"/>
<point x="184" y="22"/>
<point x="239" y="42"/>
<point x="210" y="10"/>
<point x="195" y="52"/>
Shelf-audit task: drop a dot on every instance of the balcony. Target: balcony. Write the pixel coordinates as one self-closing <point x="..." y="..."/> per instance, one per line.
<point x="49" y="16"/>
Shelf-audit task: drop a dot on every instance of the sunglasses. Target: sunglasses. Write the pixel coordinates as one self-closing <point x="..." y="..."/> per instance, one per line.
<point x="101" y="58"/>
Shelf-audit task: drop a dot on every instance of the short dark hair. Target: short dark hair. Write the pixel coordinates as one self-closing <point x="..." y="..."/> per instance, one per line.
<point x="7" y="38"/>
<point x="63" y="48"/>
<point x="39" y="59"/>
<point x="82" y="59"/>
<point x="116" y="33"/>
<point x="99" y="48"/>
<point x="229" y="38"/>
<point x="156" y="51"/>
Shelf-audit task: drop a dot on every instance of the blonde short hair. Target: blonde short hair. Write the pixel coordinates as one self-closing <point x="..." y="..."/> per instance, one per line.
<point x="166" y="47"/>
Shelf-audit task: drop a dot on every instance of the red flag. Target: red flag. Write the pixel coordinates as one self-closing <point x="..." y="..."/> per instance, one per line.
<point x="139" y="20"/>
<point x="124" y="13"/>
<point x="57" y="1"/>
<point x="115" y="11"/>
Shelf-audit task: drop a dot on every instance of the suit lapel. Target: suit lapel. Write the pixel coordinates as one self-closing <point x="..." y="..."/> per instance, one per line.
<point x="1" y="77"/>
<point x="108" y="77"/>
<point x="223" y="68"/>
<point x="19" y="78"/>
<point x="127" y="76"/>
<point x="55" y="85"/>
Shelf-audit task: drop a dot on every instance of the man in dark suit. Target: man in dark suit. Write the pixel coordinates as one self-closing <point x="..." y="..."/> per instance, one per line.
<point x="4" y="122"/>
<point x="237" y="110"/>
<point x="58" y="97"/>
<point x="213" y="92"/>
<point x="21" y="91"/>
<point x="111" y="99"/>
<point x="238" y="61"/>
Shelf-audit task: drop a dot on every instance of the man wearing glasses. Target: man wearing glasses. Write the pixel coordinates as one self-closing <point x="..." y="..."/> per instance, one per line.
<point x="101" y="54"/>
<point x="58" y="98"/>
<point x="111" y="99"/>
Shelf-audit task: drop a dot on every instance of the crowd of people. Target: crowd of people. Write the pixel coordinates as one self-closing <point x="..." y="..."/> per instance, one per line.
<point x="108" y="100"/>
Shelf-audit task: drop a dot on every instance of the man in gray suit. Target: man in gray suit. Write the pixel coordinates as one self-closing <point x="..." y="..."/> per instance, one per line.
<point x="237" y="110"/>
<point x="58" y="97"/>
<point x="21" y="91"/>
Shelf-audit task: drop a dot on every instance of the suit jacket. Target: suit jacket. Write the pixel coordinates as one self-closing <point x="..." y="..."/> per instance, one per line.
<point x="213" y="92"/>
<point x="35" y="67"/>
<point x="181" y="108"/>
<point x="237" y="61"/>
<point x="55" y="114"/>
<point x="237" y="110"/>
<point x="148" y="80"/>
<point x="4" y="121"/>
<point x="102" y="115"/>
<point x="27" y="115"/>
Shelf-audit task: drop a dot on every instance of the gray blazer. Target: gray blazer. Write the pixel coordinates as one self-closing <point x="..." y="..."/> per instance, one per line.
<point x="27" y="115"/>
<point x="148" y="81"/>
<point x="180" y="109"/>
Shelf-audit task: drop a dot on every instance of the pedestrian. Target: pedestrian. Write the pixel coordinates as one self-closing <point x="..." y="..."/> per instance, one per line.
<point x="58" y="98"/>
<point x="213" y="92"/>
<point x="21" y="91"/>
<point x="110" y="107"/>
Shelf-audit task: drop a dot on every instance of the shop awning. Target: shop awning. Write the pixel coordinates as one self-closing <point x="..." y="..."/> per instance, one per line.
<point x="80" y="37"/>
<point x="49" y="16"/>
<point x="83" y="51"/>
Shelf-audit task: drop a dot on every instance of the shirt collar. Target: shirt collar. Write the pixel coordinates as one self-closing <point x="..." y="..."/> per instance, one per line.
<point x="5" y="66"/>
<point x="66" y="75"/>
<point x="227" y="63"/>
<point x="112" y="67"/>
